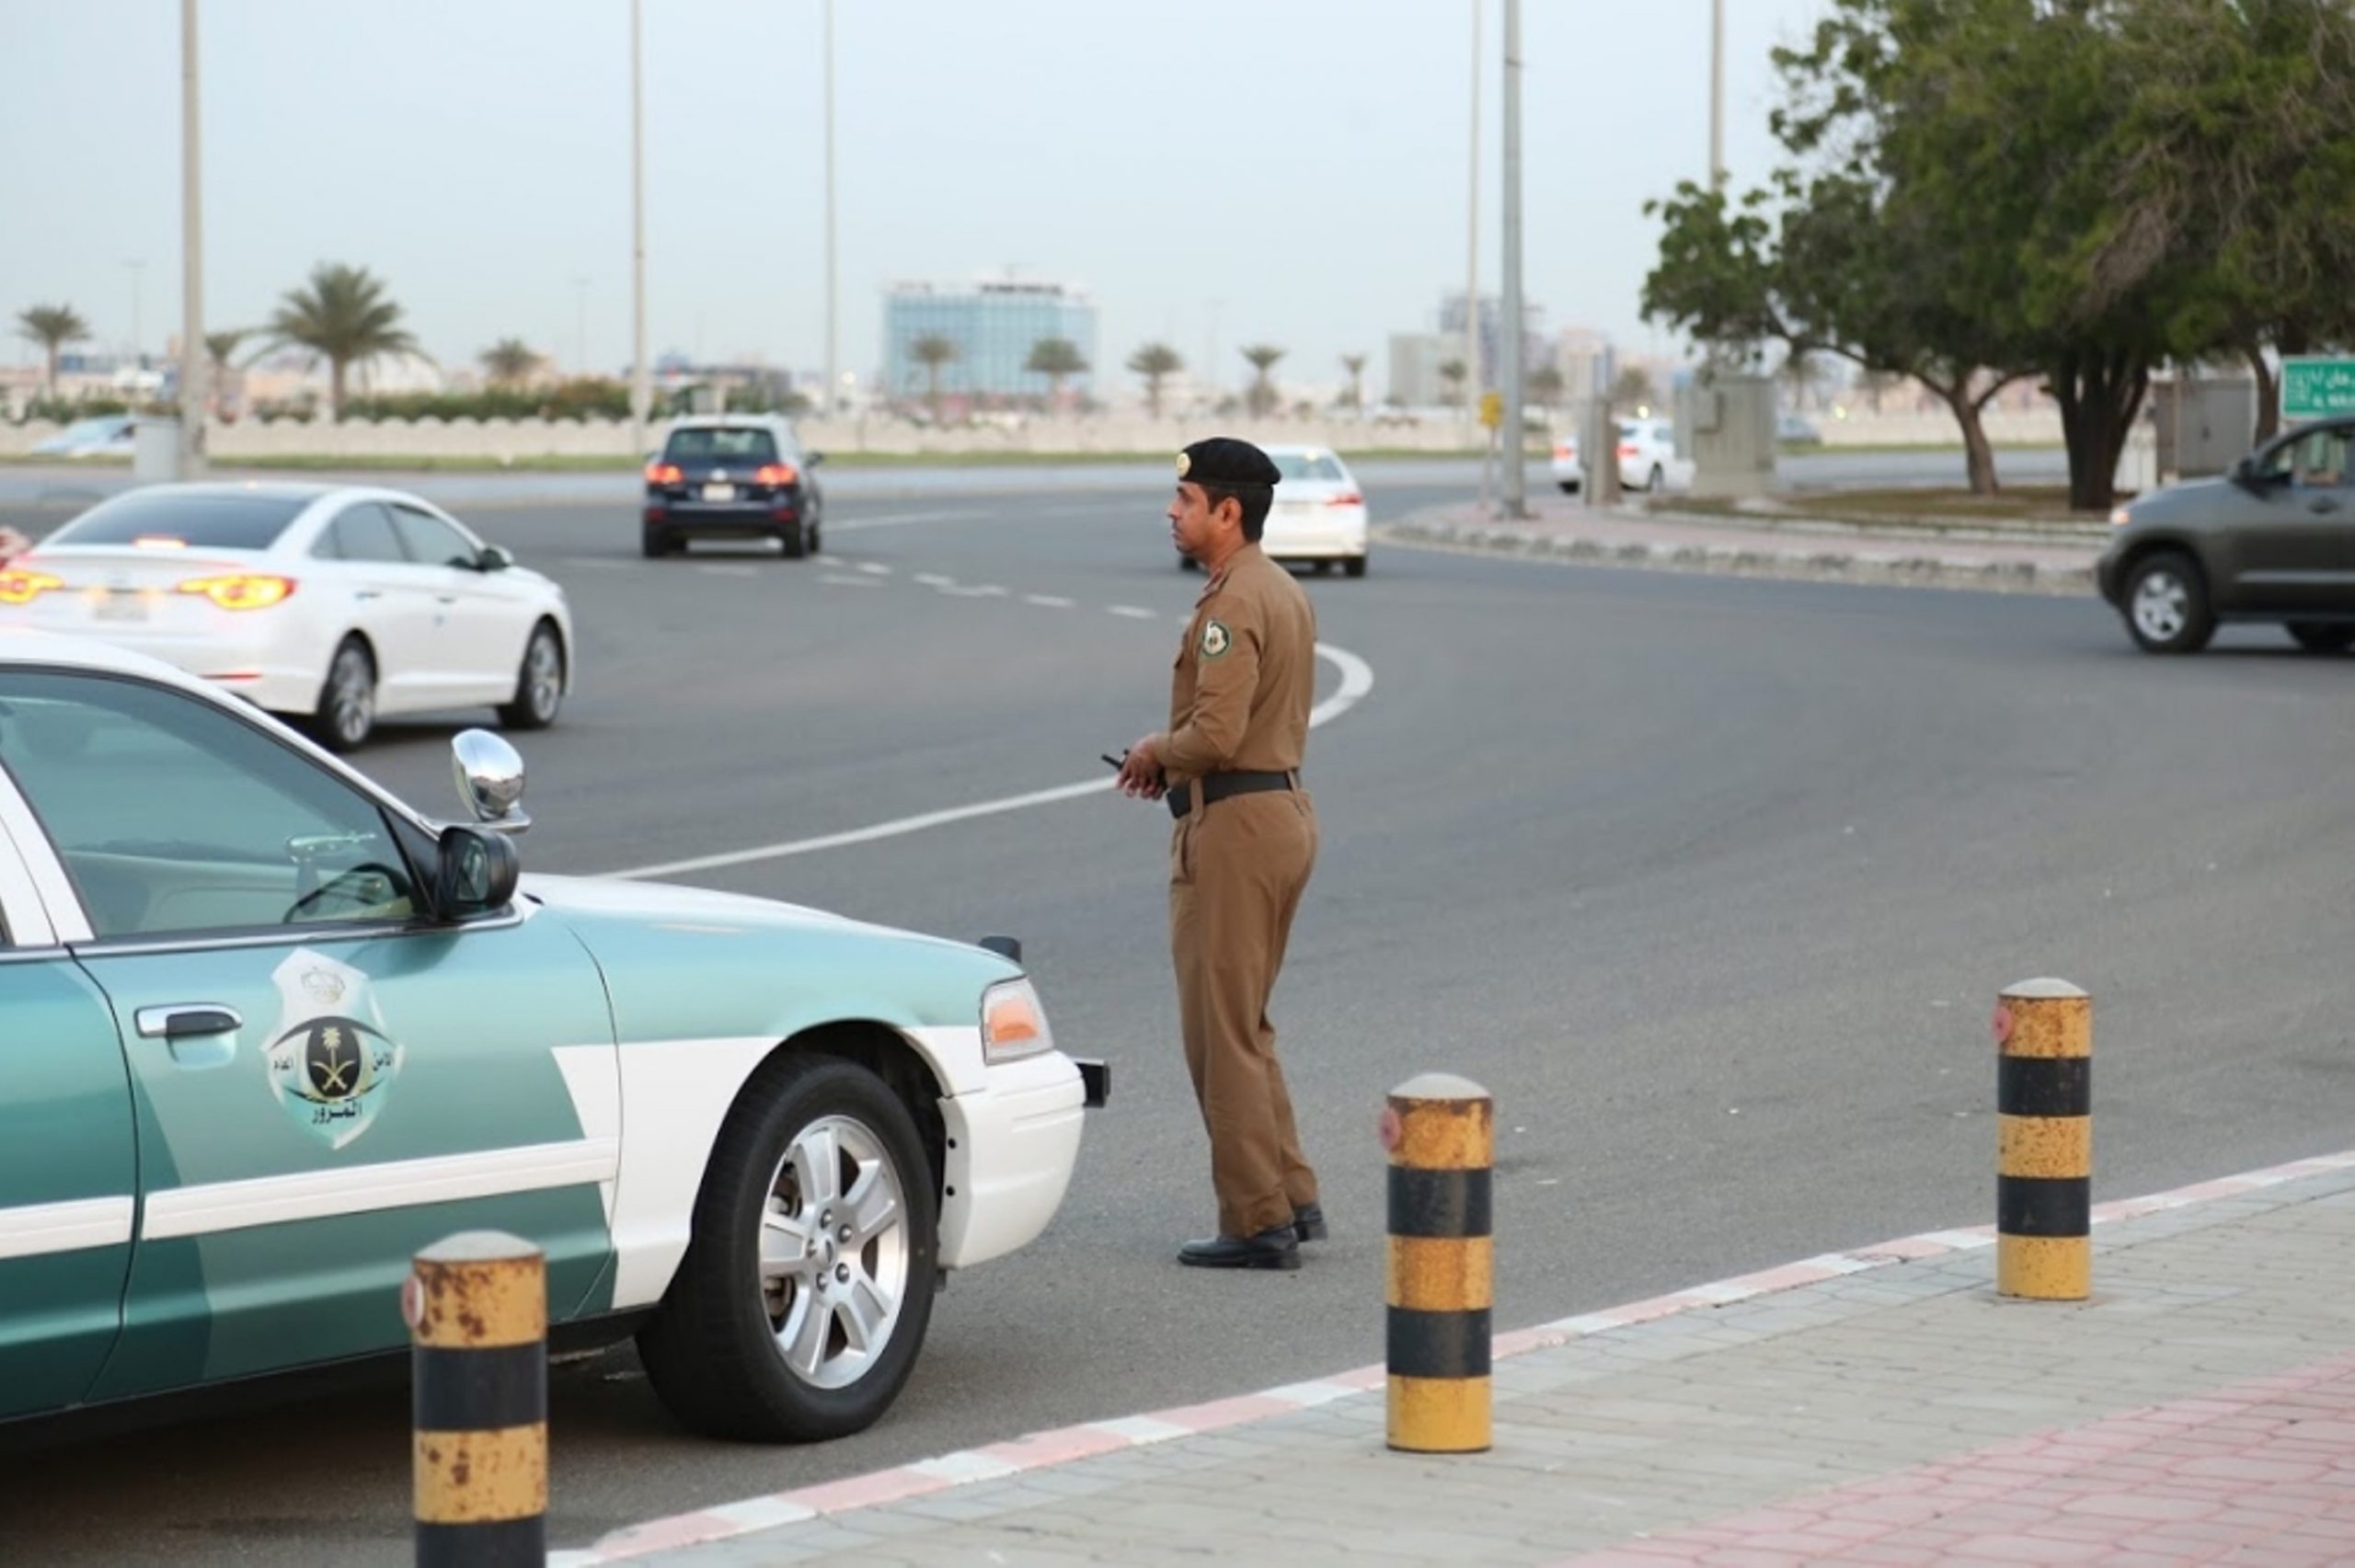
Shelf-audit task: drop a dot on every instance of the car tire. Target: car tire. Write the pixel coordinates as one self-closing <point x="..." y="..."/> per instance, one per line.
<point x="2322" y="636"/>
<point x="793" y="542"/>
<point x="346" y="715"/>
<point x="1355" y="565"/>
<point x="719" y="1350"/>
<point x="2166" y="604"/>
<point x="1568" y="489"/>
<point x="656" y="542"/>
<point x="1655" y="482"/>
<point x="539" y="682"/>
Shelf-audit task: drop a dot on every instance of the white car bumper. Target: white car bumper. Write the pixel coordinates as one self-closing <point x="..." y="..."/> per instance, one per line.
<point x="1328" y="534"/>
<point x="1012" y="1144"/>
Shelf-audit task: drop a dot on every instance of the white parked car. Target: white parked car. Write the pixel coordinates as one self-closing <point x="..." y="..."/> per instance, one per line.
<point x="332" y="604"/>
<point x="1319" y="512"/>
<point x="1647" y="459"/>
<point x="110" y="435"/>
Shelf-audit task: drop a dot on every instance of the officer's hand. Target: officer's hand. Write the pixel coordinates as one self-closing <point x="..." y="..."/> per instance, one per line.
<point x="1140" y="773"/>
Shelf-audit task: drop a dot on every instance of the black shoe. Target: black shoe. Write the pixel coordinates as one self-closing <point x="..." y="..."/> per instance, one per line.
<point x="1275" y="1247"/>
<point x="1308" y="1222"/>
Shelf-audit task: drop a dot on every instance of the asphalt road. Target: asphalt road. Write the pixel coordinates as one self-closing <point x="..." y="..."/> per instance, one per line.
<point x="1711" y="882"/>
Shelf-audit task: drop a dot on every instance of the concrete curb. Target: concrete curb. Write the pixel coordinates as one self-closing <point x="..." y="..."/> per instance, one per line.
<point x="1885" y="562"/>
<point x="1042" y="1450"/>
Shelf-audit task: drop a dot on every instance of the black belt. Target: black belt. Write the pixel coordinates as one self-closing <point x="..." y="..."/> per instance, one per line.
<point x="1218" y="786"/>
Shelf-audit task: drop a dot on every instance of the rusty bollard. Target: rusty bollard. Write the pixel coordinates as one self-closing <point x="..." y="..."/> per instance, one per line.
<point x="477" y="1309"/>
<point x="1440" y="1133"/>
<point x="2044" y="1149"/>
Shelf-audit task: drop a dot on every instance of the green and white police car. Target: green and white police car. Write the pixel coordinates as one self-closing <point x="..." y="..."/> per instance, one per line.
<point x="265" y="1031"/>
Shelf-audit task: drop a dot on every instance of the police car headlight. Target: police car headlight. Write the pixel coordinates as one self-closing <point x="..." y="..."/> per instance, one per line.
<point x="1013" y="1023"/>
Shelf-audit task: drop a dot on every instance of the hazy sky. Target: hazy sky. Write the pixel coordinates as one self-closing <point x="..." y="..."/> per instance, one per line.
<point x="1287" y="171"/>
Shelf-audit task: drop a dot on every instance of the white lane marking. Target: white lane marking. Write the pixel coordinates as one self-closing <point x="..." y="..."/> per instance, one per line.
<point x="730" y="571"/>
<point x="214" y="1206"/>
<point x="874" y="568"/>
<point x="934" y="579"/>
<point x="1132" y="612"/>
<point x="39" y="1230"/>
<point x="844" y="579"/>
<point x="1049" y="601"/>
<point x="1357" y="680"/>
<point x="600" y="562"/>
<point x="979" y="591"/>
<point x="899" y="519"/>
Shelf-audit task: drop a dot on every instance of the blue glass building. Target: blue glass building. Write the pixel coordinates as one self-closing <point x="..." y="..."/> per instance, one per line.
<point x="995" y="326"/>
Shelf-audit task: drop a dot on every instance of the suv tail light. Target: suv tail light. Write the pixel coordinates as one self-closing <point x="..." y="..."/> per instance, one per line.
<point x="1626" y="448"/>
<point x="665" y="474"/>
<point x="776" y="473"/>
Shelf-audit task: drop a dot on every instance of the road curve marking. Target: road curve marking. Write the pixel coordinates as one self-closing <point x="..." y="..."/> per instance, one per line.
<point x="1357" y="680"/>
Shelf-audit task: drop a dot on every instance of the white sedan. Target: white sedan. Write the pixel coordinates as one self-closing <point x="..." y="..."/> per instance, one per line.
<point x="331" y="604"/>
<point x="109" y="435"/>
<point x="1647" y="459"/>
<point x="1319" y="512"/>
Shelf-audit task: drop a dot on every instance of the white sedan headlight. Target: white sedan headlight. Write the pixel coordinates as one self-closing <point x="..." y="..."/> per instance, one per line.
<point x="1013" y="1023"/>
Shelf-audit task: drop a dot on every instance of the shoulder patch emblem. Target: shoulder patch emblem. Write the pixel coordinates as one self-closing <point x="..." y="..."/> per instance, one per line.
<point x="1216" y="639"/>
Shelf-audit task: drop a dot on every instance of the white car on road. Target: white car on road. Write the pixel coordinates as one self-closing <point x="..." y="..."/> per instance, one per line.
<point x="332" y="604"/>
<point x="1647" y="459"/>
<point x="109" y="435"/>
<point x="1319" y="511"/>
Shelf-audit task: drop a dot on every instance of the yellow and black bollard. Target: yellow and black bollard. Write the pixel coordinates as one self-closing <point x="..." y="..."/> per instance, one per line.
<point x="478" y="1311"/>
<point x="1440" y="1132"/>
<point x="2044" y="1151"/>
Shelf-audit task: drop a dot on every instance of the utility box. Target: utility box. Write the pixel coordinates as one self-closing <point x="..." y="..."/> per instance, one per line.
<point x="2204" y="424"/>
<point x="155" y="449"/>
<point x="1731" y="421"/>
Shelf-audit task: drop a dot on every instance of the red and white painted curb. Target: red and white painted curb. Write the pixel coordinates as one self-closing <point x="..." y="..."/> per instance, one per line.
<point x="1041" y="1450"/>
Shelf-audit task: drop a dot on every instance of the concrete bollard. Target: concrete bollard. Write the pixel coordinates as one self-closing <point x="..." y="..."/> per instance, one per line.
<point x="1440" y="1133"/>
<point x="477" y="1309"/>
<point x="2044" y="1150"/>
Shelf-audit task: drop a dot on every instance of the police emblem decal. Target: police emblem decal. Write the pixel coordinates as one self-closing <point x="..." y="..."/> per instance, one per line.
<point x="1216" y="639"/>
<point x="330" y="1063"/>
<point x="1185" y="464"/>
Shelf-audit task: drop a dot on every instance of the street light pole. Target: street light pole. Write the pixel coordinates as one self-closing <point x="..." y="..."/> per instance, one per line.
<point x="192" y="352"/>
<point x="1471" y="241"/>
<point x="138" y="276"/>
<point x="1717" y="94"/>
<point x="641" y="389"/>
<point x="1508" y="329"/>
<point x="834" y="385"/>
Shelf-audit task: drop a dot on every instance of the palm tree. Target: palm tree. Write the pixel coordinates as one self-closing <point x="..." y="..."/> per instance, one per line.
<point x="52" y="327"/>
<point x="1632" y="388"/>
<point x="1355" y="366"/>
<point x="1451" y="372"/>
<point x="509" y="361"/>
<point x="344" y="317"/>
<point x="220" y="346"/>
<point x="1155" y="361"/>
<point x="1056" y="358"/>
<point x="1263" y="358"/>
<point x="932" y="351"/>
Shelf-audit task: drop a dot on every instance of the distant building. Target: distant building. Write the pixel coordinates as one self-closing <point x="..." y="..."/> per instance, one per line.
<point x="995" y="325"/>
<point x="1588" y="363"/>
<point x="1534" y="349"/>
<point x="1415" y="359"/>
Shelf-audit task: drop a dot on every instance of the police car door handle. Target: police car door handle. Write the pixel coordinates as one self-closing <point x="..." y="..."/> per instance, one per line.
<point x="187" y="1020"/>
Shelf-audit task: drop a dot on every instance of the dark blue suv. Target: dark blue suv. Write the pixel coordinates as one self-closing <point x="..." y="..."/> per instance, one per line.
<point x="733" y="476"/>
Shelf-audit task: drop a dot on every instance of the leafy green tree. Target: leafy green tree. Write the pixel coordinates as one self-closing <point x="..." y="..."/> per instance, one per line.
<point x="1450" y="374"/>
<point x="1263" y="358"/>
<point x="1155" y="362"/>
<point x="934" y="352"/>
<point x="1545" y="386"/>
<point x="344" y="316"/>
<point x="510" y="361"/>
<point x="1057" y="359"/>
<point x="1632" y="388"/>
<point x="51" y="326"/>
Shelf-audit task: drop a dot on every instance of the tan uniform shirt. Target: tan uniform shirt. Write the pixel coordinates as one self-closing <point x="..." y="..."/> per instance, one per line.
<point x="1245" y="676"/>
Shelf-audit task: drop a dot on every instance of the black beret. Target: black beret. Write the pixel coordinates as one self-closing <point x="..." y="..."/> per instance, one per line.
<point x="1223" y="460"/>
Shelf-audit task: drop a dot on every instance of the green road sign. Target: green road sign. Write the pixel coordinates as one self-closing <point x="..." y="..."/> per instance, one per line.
<point x="2316" y="388"/>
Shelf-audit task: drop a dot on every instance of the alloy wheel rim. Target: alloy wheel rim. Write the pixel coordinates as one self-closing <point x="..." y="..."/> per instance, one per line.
<point x="833" y="1252"/>
<point x="2162" y="606"/>
<point x="543" y="677"/>
<point x="355" y="697"/>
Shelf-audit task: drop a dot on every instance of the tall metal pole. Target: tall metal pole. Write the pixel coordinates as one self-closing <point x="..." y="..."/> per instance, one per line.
<point x="1472" y="240"/>
<point x="828" y="404"/>
<point x="138" y="271"/>
<point x="641" y="387"/>
<point x="1508" y="329"/>
<point x="1717" y="94"/>
<point x="192" y="354"/>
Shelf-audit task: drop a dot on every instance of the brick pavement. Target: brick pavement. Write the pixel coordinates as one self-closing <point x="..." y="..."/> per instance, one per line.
<point x="1876" y="1407"/>
<point x="1561" y="529"/>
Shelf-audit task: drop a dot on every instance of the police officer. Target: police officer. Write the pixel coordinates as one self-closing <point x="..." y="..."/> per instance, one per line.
<point x="1245" y="838"/>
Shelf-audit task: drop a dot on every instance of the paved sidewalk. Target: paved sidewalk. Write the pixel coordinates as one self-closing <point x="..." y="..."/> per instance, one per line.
<point x="1876" y="1407"/>
<point x="1561" y="528"/>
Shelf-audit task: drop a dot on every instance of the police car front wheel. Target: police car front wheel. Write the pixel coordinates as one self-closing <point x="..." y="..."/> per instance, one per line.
<point x="801" y="1304"/>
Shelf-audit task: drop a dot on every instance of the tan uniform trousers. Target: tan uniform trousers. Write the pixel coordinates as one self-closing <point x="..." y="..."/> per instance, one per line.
<point x="1236" y="870"/>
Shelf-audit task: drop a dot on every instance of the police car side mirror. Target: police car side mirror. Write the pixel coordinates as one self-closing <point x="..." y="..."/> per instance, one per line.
<point x="474" y="873"/>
